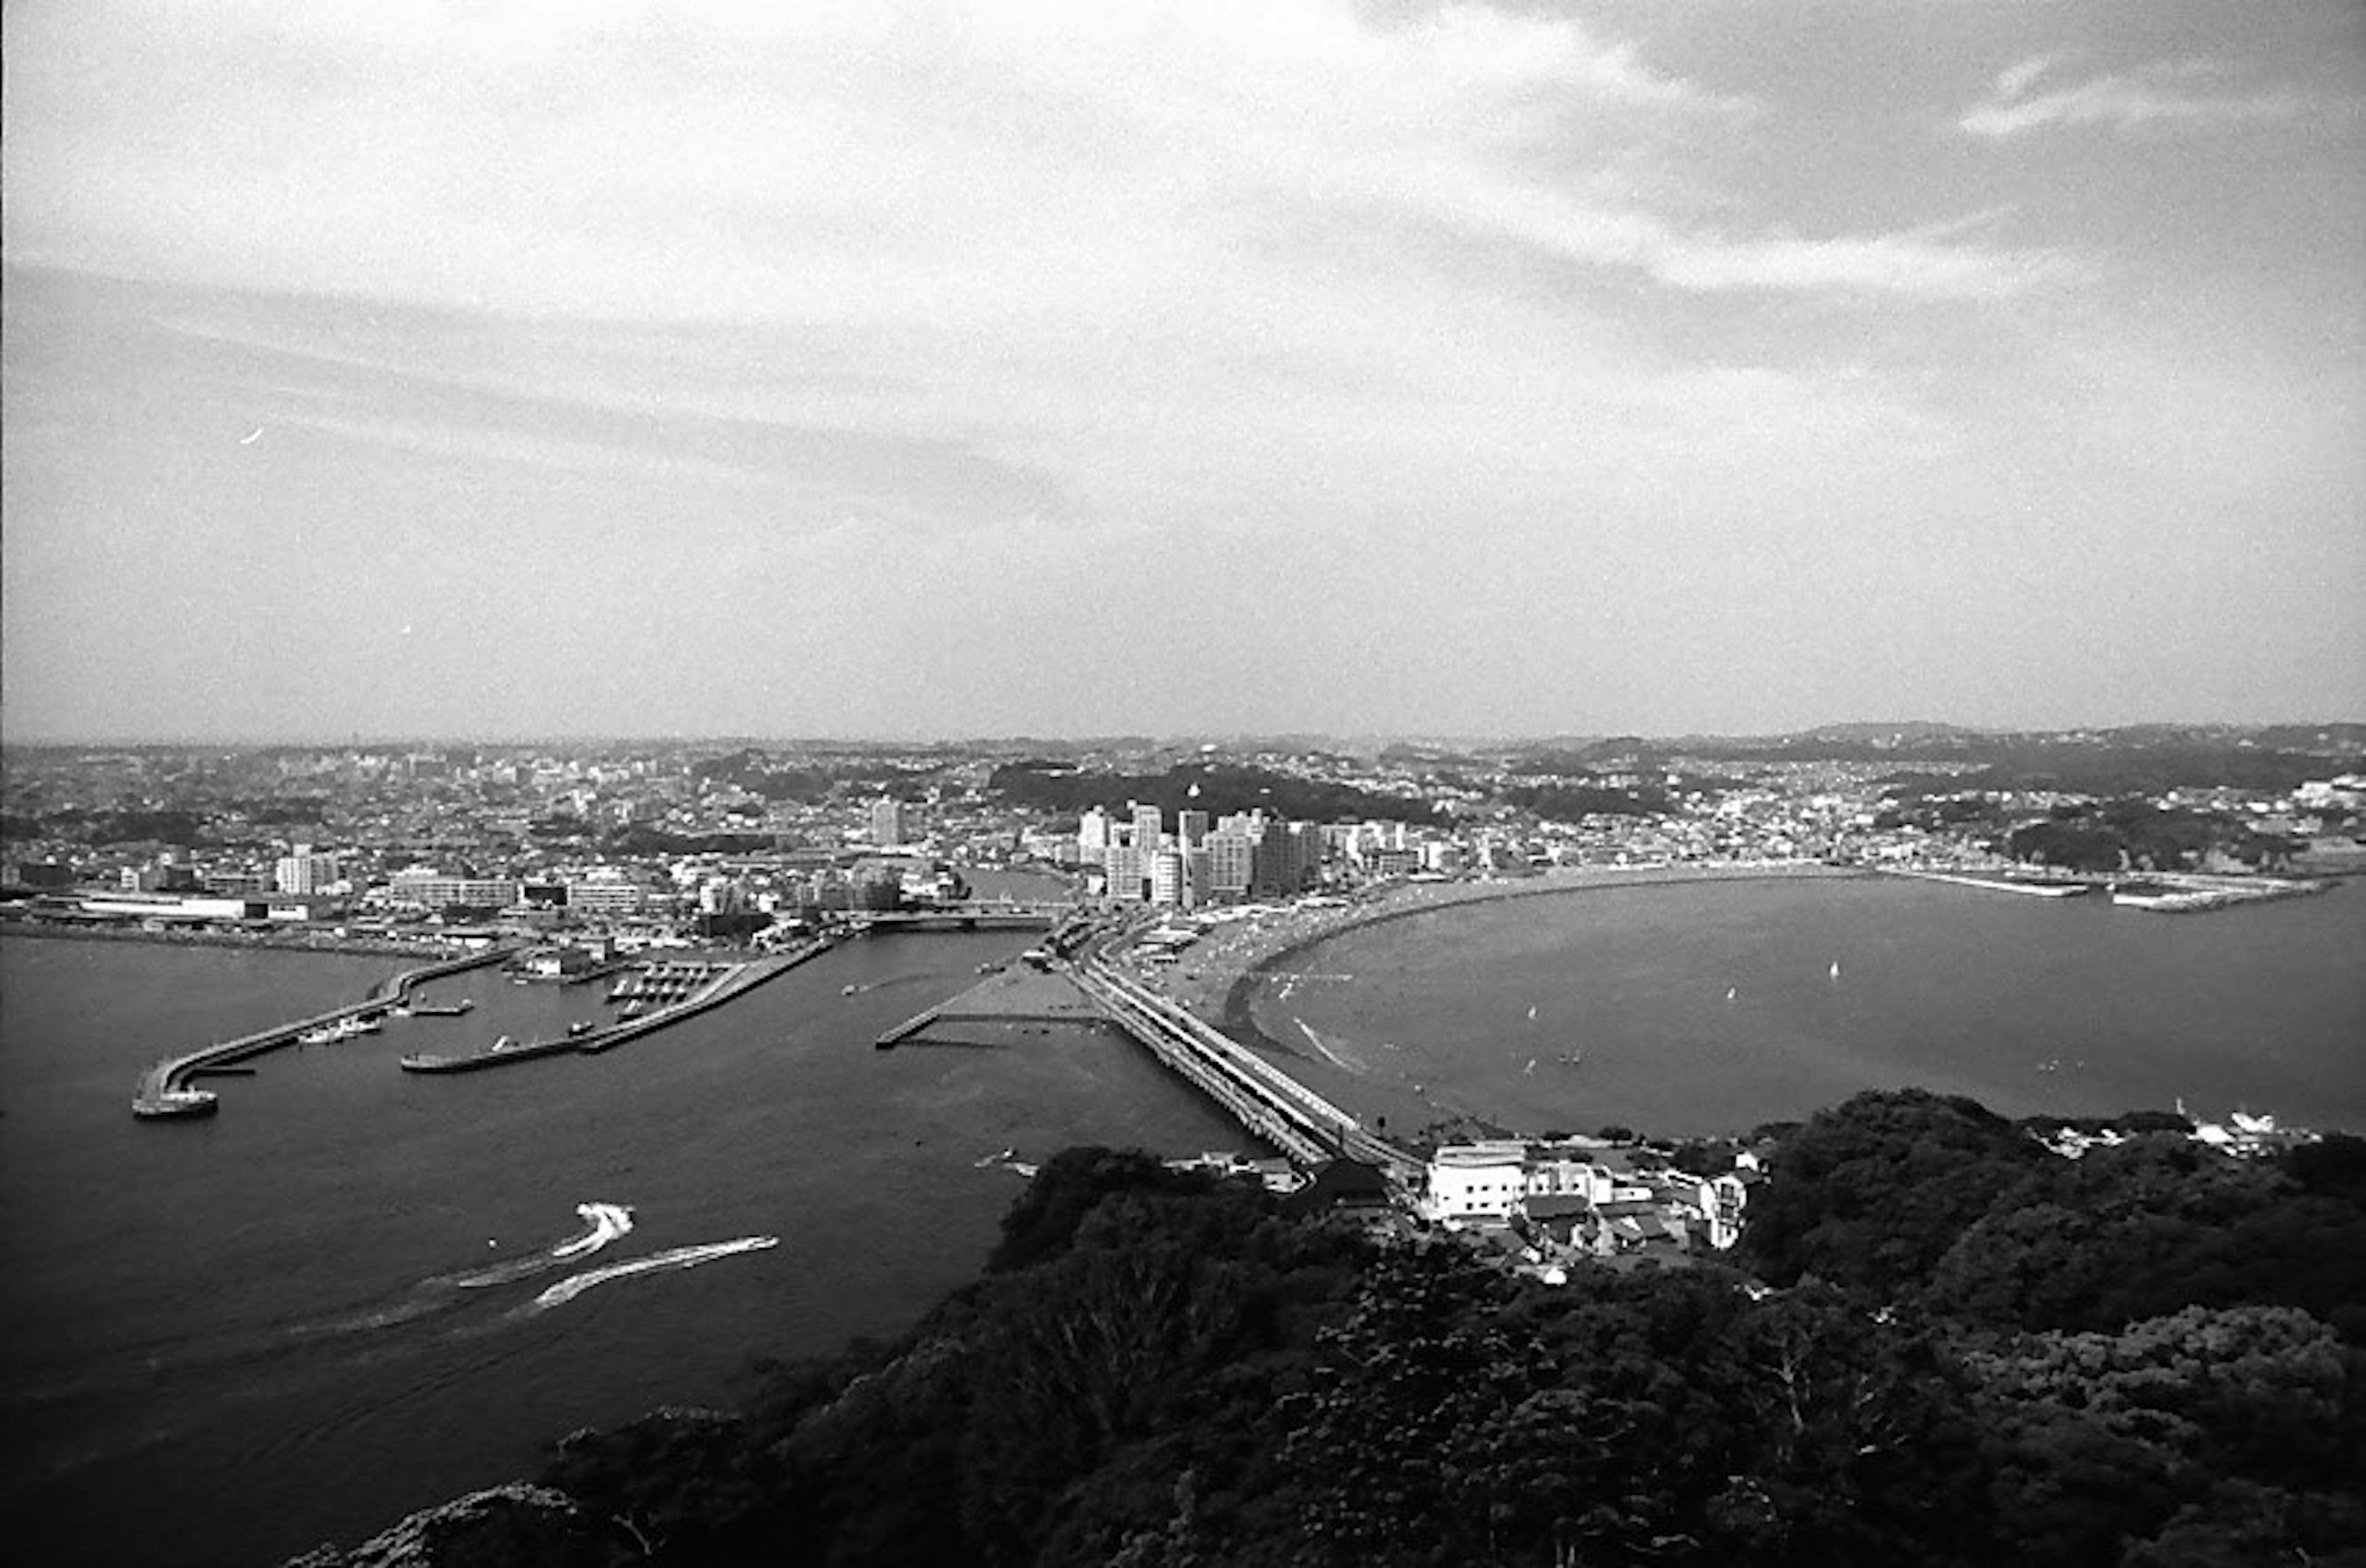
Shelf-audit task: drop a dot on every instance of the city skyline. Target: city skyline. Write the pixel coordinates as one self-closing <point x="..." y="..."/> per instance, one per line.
<point x="1004" y="370"/>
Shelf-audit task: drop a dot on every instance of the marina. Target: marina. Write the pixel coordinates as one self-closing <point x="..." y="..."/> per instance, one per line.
<point x="661" y="994"/>
<point x="164" y="1093"/>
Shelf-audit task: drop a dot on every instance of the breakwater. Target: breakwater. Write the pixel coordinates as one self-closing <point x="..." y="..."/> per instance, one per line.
<point x="736" y="980"/>
<point x="164" y="1092"/>
<point x="2052" y="888"/>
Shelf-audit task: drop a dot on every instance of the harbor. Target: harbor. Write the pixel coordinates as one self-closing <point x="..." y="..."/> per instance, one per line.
<point x="165" y="1090"/>
<point x="660" y="994"/>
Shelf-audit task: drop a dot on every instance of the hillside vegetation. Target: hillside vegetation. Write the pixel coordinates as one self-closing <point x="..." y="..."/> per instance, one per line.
<point x="1956" y="1348"/>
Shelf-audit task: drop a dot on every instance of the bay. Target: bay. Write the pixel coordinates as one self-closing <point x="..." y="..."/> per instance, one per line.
<point x="231" y="1339"/>
<point x="1689" y="1008"/>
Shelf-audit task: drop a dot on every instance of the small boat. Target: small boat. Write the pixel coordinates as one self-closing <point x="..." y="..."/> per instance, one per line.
<point x="1532" y="1012"/>
<point x="1531" y="1066"/>
<point x="504" y="1042"/>
<point x="1729" y="992"/>
<point x="579" y="1027"/>
<point x="316" y="1037"/>
<point x="1836" y="968"/>
<point x="848" y="990"/>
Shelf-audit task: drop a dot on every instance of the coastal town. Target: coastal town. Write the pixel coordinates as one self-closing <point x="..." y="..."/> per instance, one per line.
<point x="678" y="844"/>
<point x="575" y="862"/>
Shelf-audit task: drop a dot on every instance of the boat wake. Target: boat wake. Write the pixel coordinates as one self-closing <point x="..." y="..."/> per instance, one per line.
<point x="1328" y="1054"/>
<point x="603" y="1222"/>
<point x="574" y="1285"/>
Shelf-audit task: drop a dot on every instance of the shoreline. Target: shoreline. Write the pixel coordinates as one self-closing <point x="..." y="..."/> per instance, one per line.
<point x="351" y="946"/>
<point x="1234" y="1014"/>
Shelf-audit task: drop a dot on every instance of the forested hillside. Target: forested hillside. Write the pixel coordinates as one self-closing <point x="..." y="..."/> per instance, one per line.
<point x="1957" y="1347"/>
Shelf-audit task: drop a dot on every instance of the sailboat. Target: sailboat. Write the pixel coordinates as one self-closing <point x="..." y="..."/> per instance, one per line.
<point x="1836" y="968"/>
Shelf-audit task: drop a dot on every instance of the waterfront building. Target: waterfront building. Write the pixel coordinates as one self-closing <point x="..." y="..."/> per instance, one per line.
<point x="1476" y="1183"/>
<point x="441" y="890"/>
<point x="1231" y="860"/>
<point x="605" y="895"/>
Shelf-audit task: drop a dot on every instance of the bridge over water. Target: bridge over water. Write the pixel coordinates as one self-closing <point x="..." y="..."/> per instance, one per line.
<point x="972" y="915"/>
<point x="1308" y="1129"/>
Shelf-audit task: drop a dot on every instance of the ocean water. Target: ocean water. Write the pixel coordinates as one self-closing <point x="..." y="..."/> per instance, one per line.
<point x="1691" y="1008"/>
<point x="356" y="1291"/>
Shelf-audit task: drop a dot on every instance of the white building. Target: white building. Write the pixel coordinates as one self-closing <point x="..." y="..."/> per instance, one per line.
<point x="1476" y="1182"/>
<point x="304" y="872"/>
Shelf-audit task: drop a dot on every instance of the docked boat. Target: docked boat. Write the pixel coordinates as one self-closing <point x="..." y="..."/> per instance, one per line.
<point x="316" y="1037"/>
<point x="580" y="1027"/>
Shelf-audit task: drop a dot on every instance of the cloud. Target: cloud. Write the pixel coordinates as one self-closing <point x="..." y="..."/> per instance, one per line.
<point x="2167" y="96"/>
<point x="999" y="164"/>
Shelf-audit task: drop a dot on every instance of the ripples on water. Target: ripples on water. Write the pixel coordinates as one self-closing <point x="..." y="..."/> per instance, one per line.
<point x="284" y="1325"/>
<point x="1690" y="1007"/>
<point x="281" y="1325"/>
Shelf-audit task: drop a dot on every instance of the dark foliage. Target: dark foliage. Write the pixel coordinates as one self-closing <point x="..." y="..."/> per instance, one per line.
<point x="1567" y="803"/>
<point x="1216" y="788"/>
<point x="2005" y="1357"/>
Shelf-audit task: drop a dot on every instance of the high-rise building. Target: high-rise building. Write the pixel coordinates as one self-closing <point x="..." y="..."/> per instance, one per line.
<point x="1232" y="859"/>
<point x="1128" y="875"/>
<point x="1093" y="837"/>
<point x="1191" y="829"/>
<point x="304" y="872"/>
<point x="1149" y="827"/>
<point x="1169" y="883"/>
<point x="887" y="823"/>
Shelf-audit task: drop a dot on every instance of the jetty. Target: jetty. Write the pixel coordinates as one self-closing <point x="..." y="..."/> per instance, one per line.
<point x="2042" y="887"/>
<point x="1014" y="996"/>
<point x="685" y="987"/>
<point x="164" y="1088"/>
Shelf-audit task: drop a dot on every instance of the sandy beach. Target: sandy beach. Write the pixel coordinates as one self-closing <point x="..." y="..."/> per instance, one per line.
<point x="1216" y="975"/>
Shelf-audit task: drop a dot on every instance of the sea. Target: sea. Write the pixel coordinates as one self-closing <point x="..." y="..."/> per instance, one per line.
<point x="357" y="1291"/>
<point x="1698" y="1009"/>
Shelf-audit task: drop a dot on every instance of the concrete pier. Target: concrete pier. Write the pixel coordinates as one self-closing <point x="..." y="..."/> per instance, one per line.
<point x="736" y="980"/>
<point x="163" y="1089"/>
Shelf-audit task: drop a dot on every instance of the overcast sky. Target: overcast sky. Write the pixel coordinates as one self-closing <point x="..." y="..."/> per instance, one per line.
<point x="483" y="369"/>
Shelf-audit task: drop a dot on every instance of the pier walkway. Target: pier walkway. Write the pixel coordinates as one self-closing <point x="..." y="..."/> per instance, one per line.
<point x="164" y="1092"/>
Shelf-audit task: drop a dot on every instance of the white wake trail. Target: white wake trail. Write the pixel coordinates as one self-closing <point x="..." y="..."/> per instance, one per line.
<point x="566" y="1290"/>
<point x="602" y="1223"/>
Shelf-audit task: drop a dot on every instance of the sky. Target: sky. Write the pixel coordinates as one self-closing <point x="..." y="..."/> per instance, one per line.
<point x="586" y="367"/>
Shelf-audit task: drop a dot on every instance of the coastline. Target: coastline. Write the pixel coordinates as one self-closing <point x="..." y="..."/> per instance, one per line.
<point x="366" y="947"/>
<point x="1236" y="979"/>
